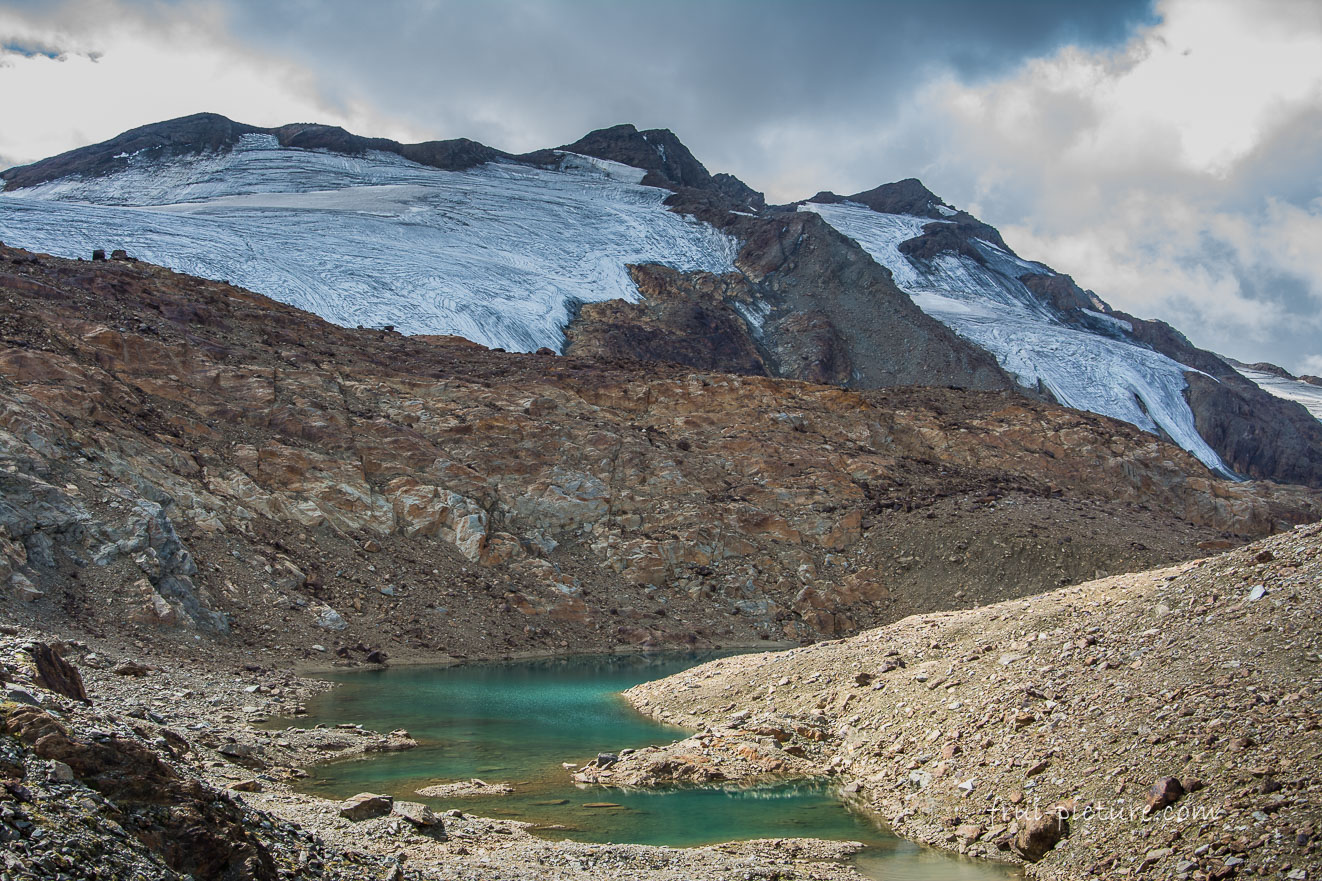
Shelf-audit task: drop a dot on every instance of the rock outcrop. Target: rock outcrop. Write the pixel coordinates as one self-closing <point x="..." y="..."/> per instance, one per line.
<point x="808" y="303"/>
<point x="192" y="830"/>
<point x="668" y="163"/>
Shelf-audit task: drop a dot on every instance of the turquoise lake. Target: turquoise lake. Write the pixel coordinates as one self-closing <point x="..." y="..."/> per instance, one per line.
<point x="515" y="722"/>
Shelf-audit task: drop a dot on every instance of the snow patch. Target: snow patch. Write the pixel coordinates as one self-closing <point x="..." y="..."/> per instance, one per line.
<point x="1119" y="323"/>
<point x="754" y="314"/>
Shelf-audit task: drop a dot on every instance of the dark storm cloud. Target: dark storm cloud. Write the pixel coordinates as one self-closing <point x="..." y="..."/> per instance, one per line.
<point x="727" y="77"/>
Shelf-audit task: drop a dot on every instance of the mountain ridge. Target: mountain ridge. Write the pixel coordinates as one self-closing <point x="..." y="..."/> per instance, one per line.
<point x="821" y="292"/>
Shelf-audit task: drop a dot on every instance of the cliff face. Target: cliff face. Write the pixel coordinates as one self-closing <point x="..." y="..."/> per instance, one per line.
<point x="186" y="457"/>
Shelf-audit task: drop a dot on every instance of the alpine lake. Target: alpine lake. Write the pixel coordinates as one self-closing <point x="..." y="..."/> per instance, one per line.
<point x="515" y="722"/>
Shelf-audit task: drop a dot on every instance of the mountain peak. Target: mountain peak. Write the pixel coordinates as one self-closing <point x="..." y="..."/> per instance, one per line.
<point x="668" y="163"/>
<point x="211" y="132"/>
<point x="908" y="196"/>
<point x="196" y="133"/>
<point x="656" y="151"/>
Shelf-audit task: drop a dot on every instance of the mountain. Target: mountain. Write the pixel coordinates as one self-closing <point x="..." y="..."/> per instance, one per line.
<point x="623" y="245"/>
<point x="184" y="458"/>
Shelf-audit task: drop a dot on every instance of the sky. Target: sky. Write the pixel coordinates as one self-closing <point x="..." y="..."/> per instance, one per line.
<point x="1163" y="152"/>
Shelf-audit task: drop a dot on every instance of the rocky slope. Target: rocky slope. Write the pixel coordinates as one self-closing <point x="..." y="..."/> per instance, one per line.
<point x="1161" y="724"/>
<point x="183" y="457"/>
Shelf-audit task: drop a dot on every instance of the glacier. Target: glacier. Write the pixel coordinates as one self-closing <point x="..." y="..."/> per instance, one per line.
<point x="987" y="304"/>
<point x="1310" y="396"/>
<point x="498" y="254"/>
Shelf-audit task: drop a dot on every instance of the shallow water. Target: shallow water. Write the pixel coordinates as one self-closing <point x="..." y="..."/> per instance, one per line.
<point x="516" y="722"/>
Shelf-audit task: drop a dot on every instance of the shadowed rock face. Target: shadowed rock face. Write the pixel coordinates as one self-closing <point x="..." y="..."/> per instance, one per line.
<point x="804" y="266"/>
<point x="1059" y="291"/>
<point x="810" y="301"/>
<point x="1258" y="434"/>
<point x="184" y="451"/>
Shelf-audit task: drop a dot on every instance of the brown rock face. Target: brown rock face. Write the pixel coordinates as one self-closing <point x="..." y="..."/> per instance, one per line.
<point x="683" y="318"/>
<point x="187" y="454"/>
<point x="55" y="673"/>
<point x="808" y="304"/>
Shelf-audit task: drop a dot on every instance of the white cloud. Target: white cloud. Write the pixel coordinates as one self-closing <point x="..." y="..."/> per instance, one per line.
<point x="117" y="66"/>
<point x="1166" y="175"/>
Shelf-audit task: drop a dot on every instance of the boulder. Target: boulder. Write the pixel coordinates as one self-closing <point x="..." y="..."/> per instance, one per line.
<point x="1039" y="835"/>
<point x="417" y="813"/>
<point x="365" y="806"/>
<point x="129" y="667"/>
<point x="54" y="673"/>
<point x="329" y="619"/>
<point x="1162" y="794"/>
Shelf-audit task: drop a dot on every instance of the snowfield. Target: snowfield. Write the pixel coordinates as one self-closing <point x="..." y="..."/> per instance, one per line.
<point x="497" y="254"/>
<point x="990" y="307"/>
<point x="1290" y="389"/>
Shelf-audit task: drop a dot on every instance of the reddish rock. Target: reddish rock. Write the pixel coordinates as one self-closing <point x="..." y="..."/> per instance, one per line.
<point x="1039" y="834"/>
<point x="1163" y="793"/>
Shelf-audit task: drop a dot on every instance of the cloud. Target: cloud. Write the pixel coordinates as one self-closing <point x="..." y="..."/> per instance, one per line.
<point x="1176" y="175"/>
<point x="80" y="72"/>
